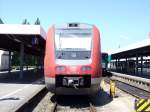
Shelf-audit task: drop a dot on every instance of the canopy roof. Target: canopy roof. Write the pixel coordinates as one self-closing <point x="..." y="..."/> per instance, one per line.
<point x="13" y="35"/>
<point x="139" y="48"/>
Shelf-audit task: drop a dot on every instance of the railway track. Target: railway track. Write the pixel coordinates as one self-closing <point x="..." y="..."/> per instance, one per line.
<point x="92" y="108"/>
<point x="76" y="107"/>
<point x="134" y="91"/>
<point x="53" y="103"/>
<point x="47" y="102"/>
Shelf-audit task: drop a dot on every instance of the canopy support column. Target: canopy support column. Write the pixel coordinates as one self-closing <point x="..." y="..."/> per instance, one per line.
<point x="126" y="65"/>
<point x="136" y="64"/>
<point x="21" y="60"/>
<point x="141" y="64"/>
<point x="9" y="63"/>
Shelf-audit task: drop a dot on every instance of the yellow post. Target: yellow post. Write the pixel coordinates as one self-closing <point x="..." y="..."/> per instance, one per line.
<point x="102" y="84"/>
<point x="112" y="88"/>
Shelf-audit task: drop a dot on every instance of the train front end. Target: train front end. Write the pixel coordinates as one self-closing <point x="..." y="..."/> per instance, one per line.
<point x="72" y="62"/>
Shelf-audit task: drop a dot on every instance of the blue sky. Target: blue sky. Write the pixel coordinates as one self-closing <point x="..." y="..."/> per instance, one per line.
<point x="121" y="22"/>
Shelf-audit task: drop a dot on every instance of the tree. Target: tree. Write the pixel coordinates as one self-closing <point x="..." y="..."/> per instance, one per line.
<point x="29" y="60"/>
<point x="37" y="22"/>
<point x="15" y="59"/>
<point x="25" y="21"/>
<point x="1" y="22"/>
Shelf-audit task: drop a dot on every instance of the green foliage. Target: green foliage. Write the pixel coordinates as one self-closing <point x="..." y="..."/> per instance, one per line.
<point x="29" y="60"/>
<point x="37" y="22"/>
<point x="15" y="59"/>
<point x="1" y="22"/>
<point x="25" y="21"/>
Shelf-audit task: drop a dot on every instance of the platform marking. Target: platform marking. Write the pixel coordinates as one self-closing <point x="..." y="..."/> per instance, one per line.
<point x="18" y="90"/>
<point x="142" y="105"/>
<point x="14" y="92"/>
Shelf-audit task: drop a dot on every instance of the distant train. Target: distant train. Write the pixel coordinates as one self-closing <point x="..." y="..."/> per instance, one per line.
<point x="72" y="63"/>
<point x="104" y="62"/>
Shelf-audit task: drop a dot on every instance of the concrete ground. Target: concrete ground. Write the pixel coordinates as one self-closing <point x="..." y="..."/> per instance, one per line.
<point x="122" y="102"/>
<point x="145" y="74"/>
<point x="15" y="92"/>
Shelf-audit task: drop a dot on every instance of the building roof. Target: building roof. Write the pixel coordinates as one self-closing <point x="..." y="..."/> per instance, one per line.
<point x="12" y="35"/>
<point x="23" y="29"/>
<point x="139" y="48"/>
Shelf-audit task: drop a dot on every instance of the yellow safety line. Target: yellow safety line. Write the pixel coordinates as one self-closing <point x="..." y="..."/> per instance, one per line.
<point x="148" y="109"/>
<point x="139" y="102"/>
<point x="143" y="106"/>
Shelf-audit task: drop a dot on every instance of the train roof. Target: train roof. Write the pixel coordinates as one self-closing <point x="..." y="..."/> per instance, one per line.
<point x="72" y="25"/>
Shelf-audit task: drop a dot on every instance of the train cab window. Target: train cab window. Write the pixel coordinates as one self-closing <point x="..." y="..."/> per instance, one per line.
<point x="73" y="44"/>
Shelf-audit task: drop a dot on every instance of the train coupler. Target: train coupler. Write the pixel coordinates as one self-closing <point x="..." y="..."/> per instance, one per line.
<point x="73" y="81"/>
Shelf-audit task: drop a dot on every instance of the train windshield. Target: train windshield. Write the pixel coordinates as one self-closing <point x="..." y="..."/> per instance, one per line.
<point x="73" y="44"/>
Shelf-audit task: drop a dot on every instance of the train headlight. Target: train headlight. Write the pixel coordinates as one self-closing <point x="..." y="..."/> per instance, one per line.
<point x="86" y="68"/>
<point x="60" y="68"/>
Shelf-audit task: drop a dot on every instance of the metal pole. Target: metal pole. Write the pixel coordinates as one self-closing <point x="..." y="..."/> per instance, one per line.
<point x="21" y="60"/>
<point x="9" y="63"/>
<point x="41" y="62"/>
<point x="116" y="65"/>
<point x="126" y="66"/>
<point x="119" y="70"/>
<point x="136" y="64"/>
<point x="26" y="62"/>
<point x="141" y="65"/>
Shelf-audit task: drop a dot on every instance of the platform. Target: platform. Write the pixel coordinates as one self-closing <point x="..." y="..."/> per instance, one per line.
<point x="15" y="93"/>
<point x="123" y="102"/>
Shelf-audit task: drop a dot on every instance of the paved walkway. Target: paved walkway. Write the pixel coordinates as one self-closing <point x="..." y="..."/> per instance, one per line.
<point x="29" y="76"/>
<point x="122" y="103"/>
<point x="146" y="74"/>
<point x="13" y="96"/>
<point x="14" y="92"/>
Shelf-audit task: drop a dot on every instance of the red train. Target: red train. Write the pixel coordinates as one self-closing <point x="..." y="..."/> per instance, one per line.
<point x="72" y="63"/>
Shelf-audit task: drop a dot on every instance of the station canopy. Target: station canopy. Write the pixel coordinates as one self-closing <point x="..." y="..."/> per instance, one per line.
<point x="141" y="48"/>
<point x="31" y="36"/>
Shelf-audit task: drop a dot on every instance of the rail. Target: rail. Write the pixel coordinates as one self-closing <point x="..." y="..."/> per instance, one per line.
<point x="138" y="82"/>
<point x="92" y="108"/>
<point x="57" y="107"/>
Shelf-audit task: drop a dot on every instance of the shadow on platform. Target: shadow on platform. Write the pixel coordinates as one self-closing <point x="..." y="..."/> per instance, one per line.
<point x="82" y="101"/>
<point x="28" y="77"/>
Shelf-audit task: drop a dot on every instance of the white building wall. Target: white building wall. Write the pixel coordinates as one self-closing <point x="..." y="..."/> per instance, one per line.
<point x="4" y="60"/>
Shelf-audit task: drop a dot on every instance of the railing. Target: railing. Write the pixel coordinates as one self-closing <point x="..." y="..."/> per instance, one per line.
<point x="138" y="82"/>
